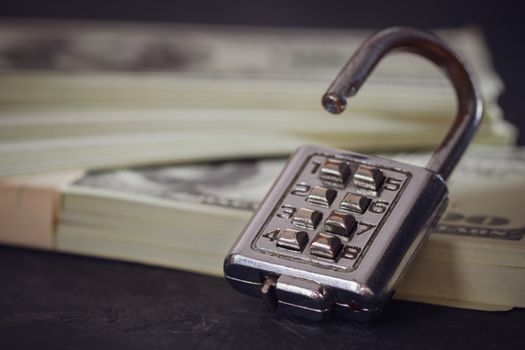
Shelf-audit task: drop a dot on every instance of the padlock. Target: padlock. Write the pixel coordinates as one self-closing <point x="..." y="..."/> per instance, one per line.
<point x="338" y="229"/>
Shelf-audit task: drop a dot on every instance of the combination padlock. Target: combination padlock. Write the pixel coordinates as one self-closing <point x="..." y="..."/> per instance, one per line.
<point x="338" y="229"/>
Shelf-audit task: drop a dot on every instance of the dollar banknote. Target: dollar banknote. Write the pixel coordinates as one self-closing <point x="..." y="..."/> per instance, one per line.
<point x="176" y="93"/>
<point x="48" y="58"/>
<point x="240" y="185"/>
<point x="249" y="52"/>
<point x="188" y="216"/>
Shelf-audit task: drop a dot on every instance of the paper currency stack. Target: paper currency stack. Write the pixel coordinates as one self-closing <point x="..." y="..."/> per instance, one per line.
<point x="81" y="101"/>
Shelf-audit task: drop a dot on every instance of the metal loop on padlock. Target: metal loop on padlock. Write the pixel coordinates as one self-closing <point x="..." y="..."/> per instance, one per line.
<point x="428" y="45"/>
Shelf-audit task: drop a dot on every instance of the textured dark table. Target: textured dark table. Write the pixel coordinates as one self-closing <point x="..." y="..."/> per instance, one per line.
<point x="61" y="301"/>
<point x="68" y="302"/>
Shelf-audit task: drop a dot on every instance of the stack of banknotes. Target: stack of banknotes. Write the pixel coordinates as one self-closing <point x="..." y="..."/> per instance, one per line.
<point x="95" y="95"/>
<point x="155" y="143"/>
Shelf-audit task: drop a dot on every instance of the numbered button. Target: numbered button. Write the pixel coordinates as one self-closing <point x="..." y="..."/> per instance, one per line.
<point x="307" y="218"/>
<point x="335" y="171"/>
<point x="326" y="245"/>
<point x="354" y="202"/>
<point x="321" y="196"/>
<point x="368" y="177"/>
<point x="292" y="239"/>
<point x="340" y="223"/>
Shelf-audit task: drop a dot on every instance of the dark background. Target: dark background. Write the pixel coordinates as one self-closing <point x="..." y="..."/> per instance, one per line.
<point x="59" y="301"/>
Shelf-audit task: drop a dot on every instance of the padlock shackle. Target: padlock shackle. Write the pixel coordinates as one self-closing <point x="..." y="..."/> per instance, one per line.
<point x="428" y="45"/>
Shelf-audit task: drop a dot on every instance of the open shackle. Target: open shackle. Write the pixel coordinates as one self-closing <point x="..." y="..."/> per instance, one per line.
<point x="430" y="46"/>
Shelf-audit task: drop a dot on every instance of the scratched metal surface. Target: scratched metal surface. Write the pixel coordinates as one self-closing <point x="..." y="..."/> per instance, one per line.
<point x="62" y="302"/>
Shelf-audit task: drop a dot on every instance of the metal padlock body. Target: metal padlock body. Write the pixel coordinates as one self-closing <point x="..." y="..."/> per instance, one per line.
<point x="338" y="229"/>
<point x="299" y="282"/>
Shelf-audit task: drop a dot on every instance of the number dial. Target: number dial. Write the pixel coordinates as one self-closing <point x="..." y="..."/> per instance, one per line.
<point x="307" y="192"/>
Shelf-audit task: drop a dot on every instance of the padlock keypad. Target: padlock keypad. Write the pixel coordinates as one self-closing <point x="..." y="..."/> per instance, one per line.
<point x="331" y="212"/>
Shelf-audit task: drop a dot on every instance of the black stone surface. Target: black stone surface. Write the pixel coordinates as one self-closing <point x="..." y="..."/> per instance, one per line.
<point x="58" y="301"/>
